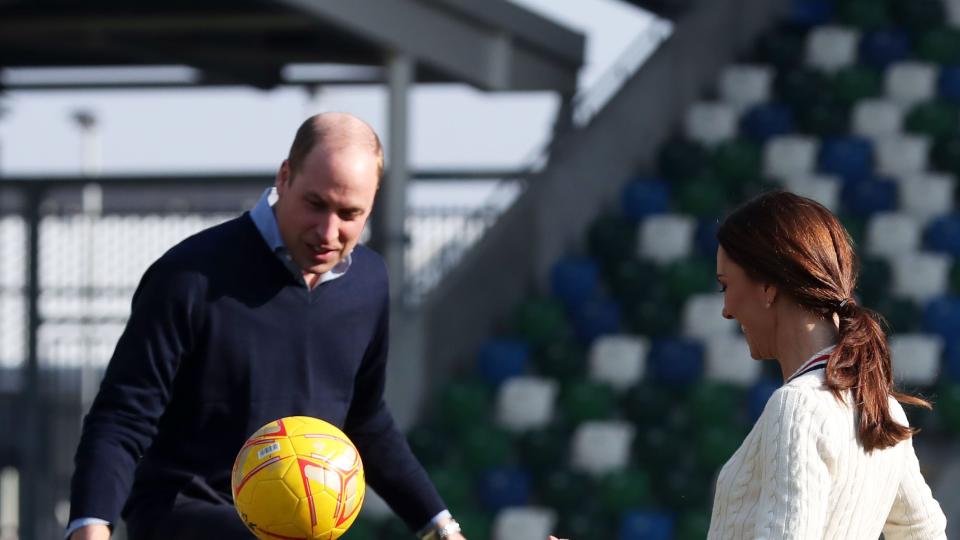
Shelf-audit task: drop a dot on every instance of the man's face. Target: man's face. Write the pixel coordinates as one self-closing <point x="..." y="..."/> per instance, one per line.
<point x="322" y="210"/>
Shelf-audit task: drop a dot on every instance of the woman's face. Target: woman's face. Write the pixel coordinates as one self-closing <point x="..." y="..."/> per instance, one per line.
<point x="750" y="303"/>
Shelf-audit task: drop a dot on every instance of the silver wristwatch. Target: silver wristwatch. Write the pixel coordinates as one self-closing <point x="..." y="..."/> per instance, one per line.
<point x="448" y="529"/>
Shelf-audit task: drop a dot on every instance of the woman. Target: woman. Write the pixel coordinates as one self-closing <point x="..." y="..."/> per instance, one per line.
<point x="831" y="456"/>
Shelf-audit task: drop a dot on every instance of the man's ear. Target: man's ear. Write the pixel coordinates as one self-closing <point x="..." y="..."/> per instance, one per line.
<point x="283" y="177"/>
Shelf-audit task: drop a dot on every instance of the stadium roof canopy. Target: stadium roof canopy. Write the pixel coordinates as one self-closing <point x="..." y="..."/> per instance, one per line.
<point x="492" y="45"/>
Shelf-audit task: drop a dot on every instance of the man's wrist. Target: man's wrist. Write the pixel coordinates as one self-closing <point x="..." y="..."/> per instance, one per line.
<point x="443" y="530"/>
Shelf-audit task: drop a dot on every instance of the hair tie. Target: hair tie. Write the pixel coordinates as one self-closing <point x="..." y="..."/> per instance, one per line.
<point x="846" y="301"/>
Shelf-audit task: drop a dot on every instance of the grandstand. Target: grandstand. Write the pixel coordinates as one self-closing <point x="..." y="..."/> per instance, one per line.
<point x="568" y="370"/>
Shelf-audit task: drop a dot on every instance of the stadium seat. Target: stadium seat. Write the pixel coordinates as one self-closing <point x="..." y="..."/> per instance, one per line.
<point x="800" y="87"/>
<point x="665" y="238"/>
<point x="855" y="83"/>
<point x="825" y="189"/>
<point x="647" y="526"/>
<point x="679" y="159"/>
<point x="736" y="161"/>
<point x="702" y="197"/>
<point x="624" y="490"/>
<point x="902" y="314"/>
<point x="500" y="359"/>
<point x="909" y="83"/>
<point x="675" y="361"/>
<point x="902" y="155"/>
<point x="655" y="317"/>
<point x="744" y="86"/>
<point x="933" y="118"/>
<point x="758" y="395"/>
<point x="790" y="155"/>
<point x="584" y="400"/>
<point x="948" y="406"/>
<point x="951" y="362"/>
<point x="782" y="46"/>
<point x="709" y="123"/>
<point x="918" y="15"/>
<point x="916" y="358"/>
<point x="945" y="154"/>
<point x="870" y="195"/>
<point x="544" y="451"/>
<point x="830" y="48"/>
<point x="540" y="321"/>
<point x="562" y="360"/>
<point x="943" y="235"/>
<point x="877" y="118"/>
<point x="875" y="280"/>
<point x="693" y="525"/>
<point x="920" y="276"/>
<point x="460" y="403"/>
<point x="525" y="403"/>
<point x="596" y="317"/>
<point x="633" y="281"/>
<point x="706" y="237"/>
<point x="618" y="360"/>
<point x="687" y="277"/>
<point x="524" y="523"/>
<point x="941" y="316"/>
<point x="643" y="197"/>
<point x="939" y="46"/>
<point x="574" y="280"/>
<point x="880" y="48"/>
<point x="601" y="447"/>
<point x="503" y="487"/>
<point x="864" y="14"/>
<point x="766" y="120"/>
<point x="727" y="360"/>
<point x="807" y="13"/>
<point x="587" y="521"/>
<point x="927" y="196"/>
<point x="611" y="239"/>
<point x="891" y="233"/>
<point x="454" y="485"/>
<point x="847" y="157"/>
<point x="712" y="403"/>
<point x="702" y="317"/>
<point x="948" y="85"/>
<point x="824" y="117"/>
<point x="952" y="12"/>
<point x="484" y="446"/>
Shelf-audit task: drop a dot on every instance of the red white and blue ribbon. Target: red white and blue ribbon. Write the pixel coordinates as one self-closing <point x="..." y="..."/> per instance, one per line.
<point x="819" y="361"/>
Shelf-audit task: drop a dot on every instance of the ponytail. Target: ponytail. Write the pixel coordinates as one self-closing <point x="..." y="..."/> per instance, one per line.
<point x="861" y="363"/>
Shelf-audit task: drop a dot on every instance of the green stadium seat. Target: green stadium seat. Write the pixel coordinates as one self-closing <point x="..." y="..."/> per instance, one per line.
<point x="461" y="403"/>
<point x="612" y="239"/>
<point x="955" y="277"/>
<point x="588" y="522"/>
<point x="704" y="196"/>
<point x="940" y="46"/>
<point x="856" y="226"/>
<point x="475" y="522"/>
<point x="455" y="486"/>
<point x="633" y="281"/>
<point x="582" y="400"/>
<point x="684" y="484"/>
<point x="902" y="315"/>
<point x="948" y="407"/>
<point x="736" y="160"/>
<point x="936" y="119"/>
<point x="875" y="280"/>
<point x="625" y="490"/>
<point x="864" y="14"/>
<point x="654" y="317"/>
<point x="693" y="525"/>
<point x="431" y="446"/>
<point x="715" y="444"/>
<point x="945" y="154"/>
<point x="541" y="321"/>
<point x="681" y="158"/>
<point x="824" y="118"/>
<point x="854" y="83"/>
<point x="782" y="46"/>
<point x="648" y="404"/>
<point x="562" y="360"/>
<point x="362" y="529"/>
<point x="544" y="451"/>
<point x="563" y="489"/>
<point x="918" y="15"/>
<point x="801" y="87"/>
<point x="483" y="447"/>
<point x="657" y="443"/>
<point x="687" y="277"/>
<point x="715" y="404"/>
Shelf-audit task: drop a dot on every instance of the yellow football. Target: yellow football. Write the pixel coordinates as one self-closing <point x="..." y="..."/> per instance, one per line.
<point x="298" y="478"/>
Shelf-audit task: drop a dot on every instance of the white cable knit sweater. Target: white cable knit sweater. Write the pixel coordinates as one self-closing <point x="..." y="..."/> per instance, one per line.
<point x="801" y="473"/>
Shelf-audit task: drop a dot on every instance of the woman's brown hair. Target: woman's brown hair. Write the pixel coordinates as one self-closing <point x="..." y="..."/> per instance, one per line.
<point x="798" y="245"/>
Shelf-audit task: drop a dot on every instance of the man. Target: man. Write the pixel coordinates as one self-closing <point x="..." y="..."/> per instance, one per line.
<point x="278" y="312"/>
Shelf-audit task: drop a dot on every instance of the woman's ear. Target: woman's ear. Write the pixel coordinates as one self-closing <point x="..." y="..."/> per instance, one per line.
<point x="769" y="294"/>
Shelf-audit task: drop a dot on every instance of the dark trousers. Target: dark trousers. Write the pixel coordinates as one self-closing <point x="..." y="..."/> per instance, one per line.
<point x="189" y="519"/>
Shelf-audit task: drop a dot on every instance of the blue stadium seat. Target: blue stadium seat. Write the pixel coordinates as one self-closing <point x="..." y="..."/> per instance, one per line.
<point x="758" y="395"/>
<point x="941" y="316"/>
<point x="943" y="235"/>
<point x="502" y="487"/>
<point x="647" y="526"/>
<point x="596" y="317"/>
<point x="574" y="280"/>
<point x="811" y="12"/>
<point x="948" y="86"/>
<point x="644" y="196"/>
<point x="767" y="120"/>
<point x="870" y="195"/>
<point x="676" y="361"/>
<point x="848" y="157"/>
<point x="880" y="48"/>
<point x="500" y="359"/>
<point x="706" y="237"/>
<point x="951" y="361"/>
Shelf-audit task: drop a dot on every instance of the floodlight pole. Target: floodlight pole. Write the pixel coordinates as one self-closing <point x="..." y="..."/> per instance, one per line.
<point x="393" y="196"/>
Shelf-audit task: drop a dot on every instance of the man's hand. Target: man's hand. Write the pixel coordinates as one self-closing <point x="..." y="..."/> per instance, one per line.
<point x="91" y="532"/>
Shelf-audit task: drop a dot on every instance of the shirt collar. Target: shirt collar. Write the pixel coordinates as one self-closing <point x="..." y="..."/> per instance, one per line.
<point x="816" y="361"/>
<point x="266" y="222"/>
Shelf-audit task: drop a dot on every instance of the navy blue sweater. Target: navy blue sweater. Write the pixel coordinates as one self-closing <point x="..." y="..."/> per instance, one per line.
<point x="221" y="340"/>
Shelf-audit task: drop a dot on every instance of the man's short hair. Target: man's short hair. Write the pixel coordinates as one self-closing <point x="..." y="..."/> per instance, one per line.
<point x="333" y="129"/>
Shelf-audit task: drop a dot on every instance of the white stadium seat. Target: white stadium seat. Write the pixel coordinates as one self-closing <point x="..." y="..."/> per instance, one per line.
<point x="601" y="447"/>
<point x="921" y="276"/>
<point x="526" y="402"/>
<point x="823" y="188"/>
<point x="909" y="83"/>
<point x="890" y="234"/>
<point x="523" y="523"/>
<point x="902" y="155"/>
<point x="916" y="358"/>
<point x="953" y="12"/>
<point x="618" y="360"/>
<point x="711" y="122"/>
<point x="830" y="48"/>
<point x="927" y="195"/>
<point x="877" y="118"/>
<point x="745" y="85"/>
<point x="703" y="316"/>
<point x="790" y="155"/>
<point x="664" y="238"/>
<point x="728" y="360"/>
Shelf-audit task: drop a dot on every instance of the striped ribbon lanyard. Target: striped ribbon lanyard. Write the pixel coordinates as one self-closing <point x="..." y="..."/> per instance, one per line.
<point x="813" y="364"/>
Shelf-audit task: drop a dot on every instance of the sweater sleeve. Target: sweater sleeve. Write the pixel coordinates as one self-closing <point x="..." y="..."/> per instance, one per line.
<point x="389" y="464"/>
<point x="796" y="461"/>
<point x="122" y="420"/>
<point x="915" y="514"/>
